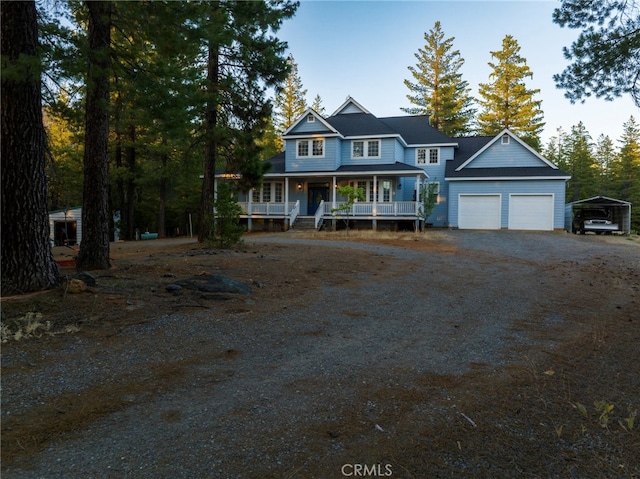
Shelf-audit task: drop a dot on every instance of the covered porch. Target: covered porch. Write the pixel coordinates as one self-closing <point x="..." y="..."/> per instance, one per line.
<point x="392" y="194"/>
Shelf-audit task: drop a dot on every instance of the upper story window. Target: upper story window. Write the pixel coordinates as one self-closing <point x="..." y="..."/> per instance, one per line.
<point x="309" y="148"/>
<point x="505" y="139"/>
<point x="365" y="149"/>
<point x="311" y="118"/>
<point x="428" y="156"/>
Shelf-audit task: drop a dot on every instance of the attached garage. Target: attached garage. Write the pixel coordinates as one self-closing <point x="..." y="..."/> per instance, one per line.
<point x="531" y="212"/>
<point x="480" y="212"/>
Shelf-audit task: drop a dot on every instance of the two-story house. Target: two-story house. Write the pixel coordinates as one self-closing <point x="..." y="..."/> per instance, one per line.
<point x="482" y="182"/>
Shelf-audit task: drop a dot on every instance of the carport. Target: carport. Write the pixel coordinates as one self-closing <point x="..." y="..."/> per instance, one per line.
<point x="620" y="211"/>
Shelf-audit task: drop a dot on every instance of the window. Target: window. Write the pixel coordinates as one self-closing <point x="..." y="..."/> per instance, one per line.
<point x="365" y="149"/>
<point x="307" y="148"/>
<point x="266" y="192"/>
<point x="318" y="147"/>
<point x="311" y="118"/>
<point x="432" y="155"/>
<point x="505" y="139"/>
<point x="277" y="192"/>
<point x="386" y="191"/>
<point x="434" y="188"/>
<point x="269" y="192"/>
<point x="303" y="148"/>
<point x="358" y="149"/>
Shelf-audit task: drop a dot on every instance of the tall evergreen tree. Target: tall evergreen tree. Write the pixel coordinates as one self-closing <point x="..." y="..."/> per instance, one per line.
<point x="317" y="106"/>
<point x="438" y="89"/>
<point x="579" y="161"/>
<point x="243" y="59"/>
<point x="606" y="55"/>
<point x="626" y="169"/>
<point x="605" y="154"/>
<point x="94" y="248"/>
<point x="506" y="100"/>
<point x="26" y="259"/>
<point x="290" y="102"/>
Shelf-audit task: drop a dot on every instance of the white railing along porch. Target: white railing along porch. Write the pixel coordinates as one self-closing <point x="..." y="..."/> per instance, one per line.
<point x="395" y="208"/>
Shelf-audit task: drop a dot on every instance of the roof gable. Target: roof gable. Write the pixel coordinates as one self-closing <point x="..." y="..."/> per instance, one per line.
<point x="349" y="107"/>
<point x="496" y="153"/>
<point x="310" y="122"/>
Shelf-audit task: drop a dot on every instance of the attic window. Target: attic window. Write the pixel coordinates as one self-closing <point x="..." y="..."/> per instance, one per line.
<point x="311" y="118"/>
<point x="505" y="139"/>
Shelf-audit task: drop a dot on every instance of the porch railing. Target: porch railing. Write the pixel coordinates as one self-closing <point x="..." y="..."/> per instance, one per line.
<point x="395" y="208"/>
<point x="292" y="210"/>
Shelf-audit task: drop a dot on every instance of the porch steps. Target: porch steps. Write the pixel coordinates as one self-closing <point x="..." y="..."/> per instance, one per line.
<point x="304" y="223"/>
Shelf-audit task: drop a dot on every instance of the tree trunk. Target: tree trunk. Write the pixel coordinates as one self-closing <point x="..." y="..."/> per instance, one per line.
<point x="27" y="261"/>
<point x="130" y="193"/>
<point x="164" y="158"/>
<point x="94" y="249"/>
<point x="205" y="223"/>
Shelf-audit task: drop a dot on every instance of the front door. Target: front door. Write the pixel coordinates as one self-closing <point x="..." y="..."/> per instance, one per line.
<point x="317" y="193"/>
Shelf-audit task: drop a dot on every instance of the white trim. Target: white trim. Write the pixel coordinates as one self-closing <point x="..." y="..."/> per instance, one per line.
<point x="499" y="137"/>
<point x="305" y="174"/>
<point x="365" y="149"/>
<point x="310" y="111"/>
<point x="347" y="101"/>
<point x="507" y="178"/>
<point x="309" y="142"/>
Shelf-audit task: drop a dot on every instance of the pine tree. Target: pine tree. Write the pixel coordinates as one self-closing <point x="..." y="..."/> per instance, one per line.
<point x="94" y="248"/>
<point x="438" y="89"/>
<point x="27" y="261"/>
<point x="317" y="106"/>
<point x="290" y="102"/>
<point x="581" y="164"/>
<point x="506" y="100"/>
<point x="626" y="169"/>
<point x="605" y="155"/>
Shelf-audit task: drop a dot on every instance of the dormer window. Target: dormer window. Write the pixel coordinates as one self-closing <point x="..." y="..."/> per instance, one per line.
<point x="505" y="139"/>
<point x="311" y="118"/>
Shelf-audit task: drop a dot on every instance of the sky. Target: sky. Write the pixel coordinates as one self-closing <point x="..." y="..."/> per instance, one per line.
<point x="363" y="49"/>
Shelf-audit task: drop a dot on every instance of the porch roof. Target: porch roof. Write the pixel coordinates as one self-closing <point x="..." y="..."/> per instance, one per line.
<point x="392" y="169"/>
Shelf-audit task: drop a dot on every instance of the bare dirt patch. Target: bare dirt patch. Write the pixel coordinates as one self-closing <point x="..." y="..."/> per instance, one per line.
<point x="422" y="355"/>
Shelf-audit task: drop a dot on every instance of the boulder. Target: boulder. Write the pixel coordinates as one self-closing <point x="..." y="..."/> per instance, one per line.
<point x="214" y="283"/>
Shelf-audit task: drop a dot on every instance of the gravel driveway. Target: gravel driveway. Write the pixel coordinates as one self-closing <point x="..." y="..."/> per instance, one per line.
<point x="268" y="398"/>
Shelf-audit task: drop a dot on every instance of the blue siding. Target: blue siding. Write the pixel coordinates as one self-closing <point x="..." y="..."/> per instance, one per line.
<point x="557" y="187"/>
<point x="388" y="153"/>
<point x="326" y="163"/>
<point x="499" y="155"/>
<point x="304" y="127"/>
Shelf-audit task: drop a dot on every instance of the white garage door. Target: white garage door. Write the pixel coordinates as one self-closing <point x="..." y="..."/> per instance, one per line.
<point x="531" y="212"/>
<point x="479" y="212"/>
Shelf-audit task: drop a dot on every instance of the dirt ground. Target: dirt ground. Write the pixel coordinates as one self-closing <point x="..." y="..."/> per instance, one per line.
<point x="565" y="405"/>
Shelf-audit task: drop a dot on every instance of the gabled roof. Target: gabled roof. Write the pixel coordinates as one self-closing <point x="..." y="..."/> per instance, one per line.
<point x="601" y="201"/>
<point x="497" y="138"/>
<point x="317" y="116"/>
<point x="349" y="101"/>
<point x="471" y="147"/>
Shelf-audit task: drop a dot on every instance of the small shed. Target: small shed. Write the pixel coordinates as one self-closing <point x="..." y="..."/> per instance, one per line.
<point x="65" y="226"/>
<point x="619" y="210"/>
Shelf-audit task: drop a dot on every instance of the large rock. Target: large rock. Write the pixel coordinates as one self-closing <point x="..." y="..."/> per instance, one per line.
<point x="214" y="283"/>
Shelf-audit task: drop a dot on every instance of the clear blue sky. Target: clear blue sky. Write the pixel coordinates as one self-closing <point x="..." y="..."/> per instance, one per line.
<point x="363" y="49"/>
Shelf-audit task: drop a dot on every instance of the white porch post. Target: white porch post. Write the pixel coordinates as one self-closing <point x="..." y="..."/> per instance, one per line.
<point x="249" y="207"/>
<point x="374" y="207"/>
<point x="286" y="203"/>
<point x="334" y="199"/>
<point x="417" y="202"/>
